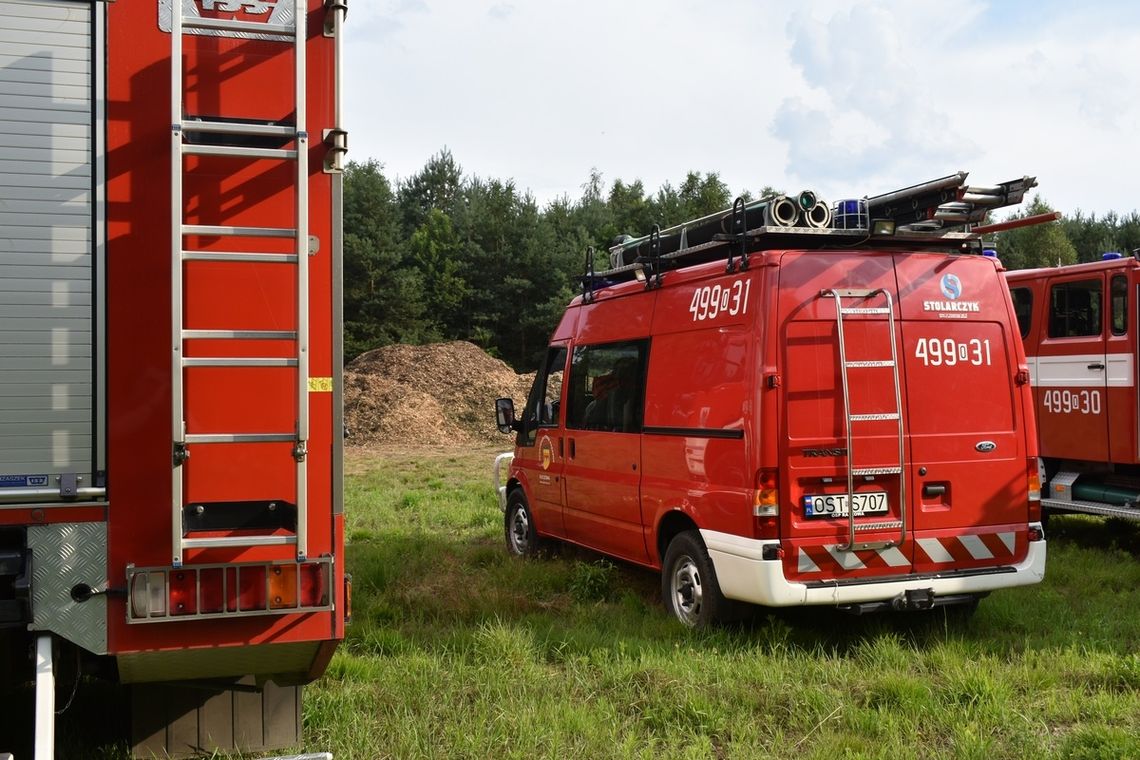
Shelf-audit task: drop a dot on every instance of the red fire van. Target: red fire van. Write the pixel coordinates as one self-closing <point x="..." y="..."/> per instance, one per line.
<point x="776" y="411"/>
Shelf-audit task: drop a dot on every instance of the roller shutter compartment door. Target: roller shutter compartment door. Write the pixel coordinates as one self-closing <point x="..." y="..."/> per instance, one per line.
<point x="46" y="248"/>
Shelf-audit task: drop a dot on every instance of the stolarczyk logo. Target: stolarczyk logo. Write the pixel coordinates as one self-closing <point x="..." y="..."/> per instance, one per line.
<point x="951" y="286"/>
<point x="952" y="307"/>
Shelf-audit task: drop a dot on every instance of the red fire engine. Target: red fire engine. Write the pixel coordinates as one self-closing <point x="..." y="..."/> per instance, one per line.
<point x="170" y="425"/>
<point x="785" y="405"/>
<point x="1079" y="327"/>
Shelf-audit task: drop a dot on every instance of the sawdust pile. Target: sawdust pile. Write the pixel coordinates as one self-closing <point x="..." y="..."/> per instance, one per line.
<point x="439" y="394"/>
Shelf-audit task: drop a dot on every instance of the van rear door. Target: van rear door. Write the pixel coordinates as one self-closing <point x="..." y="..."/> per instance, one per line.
<point x="815" y="530"/>
<point x="968" y="438"/>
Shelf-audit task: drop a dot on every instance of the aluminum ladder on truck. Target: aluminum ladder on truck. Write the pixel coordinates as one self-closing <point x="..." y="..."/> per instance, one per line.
<point x="850" y="419"/>
<point x="294" y="33"/>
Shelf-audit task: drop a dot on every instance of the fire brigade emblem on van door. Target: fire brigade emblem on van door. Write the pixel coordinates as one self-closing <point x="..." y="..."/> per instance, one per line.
<point x="547" y="453"/>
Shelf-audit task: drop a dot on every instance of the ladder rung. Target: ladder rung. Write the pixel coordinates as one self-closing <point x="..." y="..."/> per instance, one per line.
<point x="874" y="417"/>
<point x="236" y="361"/>
<point x="222" y="231"/>
<point x="224" y="541"/>
<point x="877" y="363"/>
<point x="238" y="128"/>
<point x="885" y="525"/>
<point x="236" y="151"/>
<point x="859" y="471"/>
<point x="261" y="258"/>
<point x="241" y="438"/>
<point x="228" y="25"/>
<point x="865" y="310"/>
<point x="239" y="335"/>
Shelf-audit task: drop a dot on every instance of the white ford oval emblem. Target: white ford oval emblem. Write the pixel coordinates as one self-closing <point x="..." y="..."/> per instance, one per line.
<point x="985" y="446"/>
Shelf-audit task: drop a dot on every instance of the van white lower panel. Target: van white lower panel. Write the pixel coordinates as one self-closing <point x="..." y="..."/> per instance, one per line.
<point x="744" y="575"/>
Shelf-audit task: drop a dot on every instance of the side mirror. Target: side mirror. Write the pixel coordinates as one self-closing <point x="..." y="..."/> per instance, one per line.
<point x="505" y="415"/>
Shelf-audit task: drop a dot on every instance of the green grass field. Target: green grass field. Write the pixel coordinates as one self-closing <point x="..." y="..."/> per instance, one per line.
<point x="458" y="650"/>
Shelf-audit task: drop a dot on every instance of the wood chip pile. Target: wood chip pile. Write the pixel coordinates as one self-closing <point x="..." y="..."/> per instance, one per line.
<point x="439" y="394"/>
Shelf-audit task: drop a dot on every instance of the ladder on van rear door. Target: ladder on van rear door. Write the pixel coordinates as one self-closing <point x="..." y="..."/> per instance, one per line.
<point x="850" y="419"/>
<point x="236" y="139"/>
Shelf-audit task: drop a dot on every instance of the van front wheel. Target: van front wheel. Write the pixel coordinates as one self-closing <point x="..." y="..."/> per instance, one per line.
<point x="518" y="525"/>
<point x="688" y="582"/>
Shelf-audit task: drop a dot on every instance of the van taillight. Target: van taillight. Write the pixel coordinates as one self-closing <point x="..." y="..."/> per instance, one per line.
<point x="1035" y="475"/>
<point x="766" y="504"/>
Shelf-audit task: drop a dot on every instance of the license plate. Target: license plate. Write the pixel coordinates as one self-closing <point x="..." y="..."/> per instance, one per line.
<point x="835" y="504"/>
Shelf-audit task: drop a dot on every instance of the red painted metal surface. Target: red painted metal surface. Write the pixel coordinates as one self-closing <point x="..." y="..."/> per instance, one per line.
<point x="230" y="77"/>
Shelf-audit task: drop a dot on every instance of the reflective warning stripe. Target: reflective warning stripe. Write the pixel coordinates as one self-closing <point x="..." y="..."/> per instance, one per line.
<point x="938" y="551"/>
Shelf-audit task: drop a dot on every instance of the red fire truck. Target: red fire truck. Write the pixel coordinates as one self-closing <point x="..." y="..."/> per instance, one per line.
<point x="170" y="425"/>
<point x="785" y="405"/>
<point x="1079" y="326"/>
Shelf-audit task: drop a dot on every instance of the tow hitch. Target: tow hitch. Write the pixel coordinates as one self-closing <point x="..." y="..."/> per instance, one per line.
<point x="914" y="599"/>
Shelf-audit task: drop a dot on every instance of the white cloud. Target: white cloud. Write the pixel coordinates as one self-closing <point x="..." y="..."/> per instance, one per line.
<point x="849" y="97"/>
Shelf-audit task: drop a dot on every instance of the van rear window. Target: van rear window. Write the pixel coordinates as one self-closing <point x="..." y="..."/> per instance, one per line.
<point x="1075" y="309"/>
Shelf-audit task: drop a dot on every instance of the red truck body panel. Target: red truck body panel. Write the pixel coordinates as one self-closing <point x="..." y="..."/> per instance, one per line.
<point x="234" y="79"/>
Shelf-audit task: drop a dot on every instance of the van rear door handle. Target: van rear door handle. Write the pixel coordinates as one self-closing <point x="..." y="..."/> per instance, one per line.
<point x="1096" y="365"/>
<point x="571" y="448"/>
<point x="933" y="490"/>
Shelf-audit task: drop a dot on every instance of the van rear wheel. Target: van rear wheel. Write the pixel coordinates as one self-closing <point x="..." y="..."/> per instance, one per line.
<point x="688" y="582"/>
<point x="518" y="527"/>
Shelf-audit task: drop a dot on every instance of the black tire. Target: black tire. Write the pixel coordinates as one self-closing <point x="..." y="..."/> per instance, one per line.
<point x="689" y="586"/>
<point x="518" y="527"/>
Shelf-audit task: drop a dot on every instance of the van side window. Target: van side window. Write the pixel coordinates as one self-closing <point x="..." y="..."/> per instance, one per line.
<point x="607" y="387"/>
<point x="1022" y="308"/>
<point x="543" y="402"/>
<point x="1075" y="309"/>
<point x="1118" y="292"/>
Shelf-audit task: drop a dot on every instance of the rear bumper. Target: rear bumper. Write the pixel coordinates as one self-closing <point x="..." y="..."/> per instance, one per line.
<point x="744" y="575"/>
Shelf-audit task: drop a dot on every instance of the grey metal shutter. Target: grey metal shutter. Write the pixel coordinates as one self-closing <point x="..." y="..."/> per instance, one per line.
<point x="47" y="187"/>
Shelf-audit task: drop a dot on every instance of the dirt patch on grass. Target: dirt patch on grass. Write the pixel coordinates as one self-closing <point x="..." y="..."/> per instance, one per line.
<point x="442" y="394"/>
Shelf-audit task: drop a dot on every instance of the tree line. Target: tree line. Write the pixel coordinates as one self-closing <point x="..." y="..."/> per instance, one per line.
<point x="445" y="256"/>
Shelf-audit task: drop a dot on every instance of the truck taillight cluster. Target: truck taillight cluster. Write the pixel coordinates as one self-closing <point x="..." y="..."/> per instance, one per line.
<point x="156" y="594"/>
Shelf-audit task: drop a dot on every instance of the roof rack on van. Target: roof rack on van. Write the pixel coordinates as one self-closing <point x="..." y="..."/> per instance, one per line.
<point x="926" y="215"/>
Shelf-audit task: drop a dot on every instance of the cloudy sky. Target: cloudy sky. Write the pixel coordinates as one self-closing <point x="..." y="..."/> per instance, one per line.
<point x="845" y="97"/>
